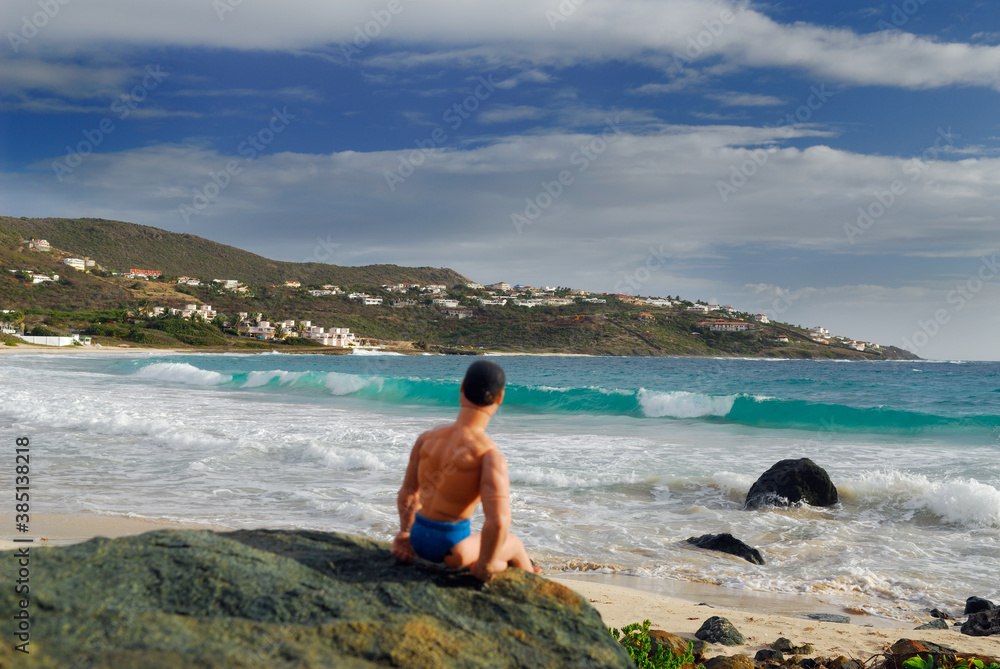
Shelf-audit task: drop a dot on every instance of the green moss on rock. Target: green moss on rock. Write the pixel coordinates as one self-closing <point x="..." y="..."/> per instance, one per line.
<point x="263" y="598"/>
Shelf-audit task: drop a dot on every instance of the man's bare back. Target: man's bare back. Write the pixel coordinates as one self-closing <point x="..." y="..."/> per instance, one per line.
<point x="451" y="469"/>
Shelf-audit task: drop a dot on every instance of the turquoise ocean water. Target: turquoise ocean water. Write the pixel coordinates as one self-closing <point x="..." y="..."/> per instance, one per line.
<point x="614" y="461"/>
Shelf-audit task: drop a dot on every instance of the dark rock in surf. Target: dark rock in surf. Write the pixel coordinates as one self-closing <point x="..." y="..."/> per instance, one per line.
<point x="983" y="623"/>
<point x="727" y="543"/>
<point x="792" y="481"/>
<point x="938" y="613"/>
<point x="719" y="630"/>
<point x="936" y="624"/>
<point x="977" y="604"/>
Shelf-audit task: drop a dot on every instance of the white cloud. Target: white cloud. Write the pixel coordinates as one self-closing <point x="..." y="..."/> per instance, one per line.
<point x="654" y="183"/>
<point x="24" y="77"/>
<point x="508" y="113"/>
<point x="747" y="100"/>
<point x="300" y="93"/>
<point x="651" y="186"/>
<point x="518" y="32"/>
<point x="528" y="76"/>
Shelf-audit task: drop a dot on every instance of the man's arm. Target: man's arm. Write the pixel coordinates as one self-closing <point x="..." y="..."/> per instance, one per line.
<point x="494" y="488"/>
<point x="408" y="503"/>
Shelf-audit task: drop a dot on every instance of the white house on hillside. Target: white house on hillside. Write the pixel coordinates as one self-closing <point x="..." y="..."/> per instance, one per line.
<point x="204" y="311"/>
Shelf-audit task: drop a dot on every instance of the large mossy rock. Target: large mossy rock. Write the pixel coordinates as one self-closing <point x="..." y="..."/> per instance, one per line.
<point x="790" y="482"/>
<point x="275" y="599"/>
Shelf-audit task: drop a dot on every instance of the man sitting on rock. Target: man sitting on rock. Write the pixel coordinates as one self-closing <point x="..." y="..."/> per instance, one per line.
<point x="452" y="468"/>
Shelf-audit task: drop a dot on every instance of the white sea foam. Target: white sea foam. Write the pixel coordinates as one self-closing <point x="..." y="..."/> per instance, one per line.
<point x="345" y="459"/>
<point x="346" y="384"/>
<point x="956" y="501"/>
<point x="182" y="372"/>
<point x="683" y="404"/>
<point x="371" y="352"/>
<point x="257" y="379"/>
<point x="555" y="478"/>
<point x="733" y="483"/>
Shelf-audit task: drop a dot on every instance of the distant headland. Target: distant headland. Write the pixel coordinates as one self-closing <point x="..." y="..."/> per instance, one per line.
<point x="88" y="282"/>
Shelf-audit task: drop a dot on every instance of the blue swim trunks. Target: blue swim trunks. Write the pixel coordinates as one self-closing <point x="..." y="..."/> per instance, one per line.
<point x="433" y="539"/>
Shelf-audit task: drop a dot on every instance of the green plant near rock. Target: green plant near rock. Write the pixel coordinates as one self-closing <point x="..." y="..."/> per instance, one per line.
<point x="635" y="639"/>
<point x="917" y="662"/>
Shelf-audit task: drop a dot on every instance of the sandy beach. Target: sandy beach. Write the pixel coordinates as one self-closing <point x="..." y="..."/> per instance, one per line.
<point x="762" y="618"/>
<point x="69" y="350"/>
<point x="63" y="529"/>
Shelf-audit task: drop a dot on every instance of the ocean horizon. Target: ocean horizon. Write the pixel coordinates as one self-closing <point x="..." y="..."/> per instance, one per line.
<point x="614" y="462"/>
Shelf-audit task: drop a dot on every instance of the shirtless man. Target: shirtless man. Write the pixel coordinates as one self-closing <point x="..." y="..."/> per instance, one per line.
<point x="451" y="469"/>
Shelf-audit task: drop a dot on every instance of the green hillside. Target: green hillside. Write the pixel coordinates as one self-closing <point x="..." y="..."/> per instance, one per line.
<point x="121" y="246"/>
<point x="111" y="308"/>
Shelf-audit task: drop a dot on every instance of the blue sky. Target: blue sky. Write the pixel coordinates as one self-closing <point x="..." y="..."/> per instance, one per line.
<point x="574" y="143"/>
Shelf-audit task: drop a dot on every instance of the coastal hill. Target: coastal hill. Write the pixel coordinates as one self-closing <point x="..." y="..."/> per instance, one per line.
<point x="115" y="309"/>
<point x="120" y="245"/>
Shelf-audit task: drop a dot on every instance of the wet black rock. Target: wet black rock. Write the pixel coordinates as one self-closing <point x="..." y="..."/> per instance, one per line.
<point x="790" y="482"/>
<point x="977" y="604"/>
<point x="727" y="543"/>
<point x="719" y="630"/>
<point x="983" y="623"/>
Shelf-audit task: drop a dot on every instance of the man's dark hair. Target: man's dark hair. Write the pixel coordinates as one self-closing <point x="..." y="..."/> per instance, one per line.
<point x="483" y="382"/>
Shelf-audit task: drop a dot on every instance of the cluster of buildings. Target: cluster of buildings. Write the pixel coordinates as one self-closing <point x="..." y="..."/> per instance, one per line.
<point x="497" y="294"/>
<point x="821" y="335"/>
<point x="366" y="299"/>
<point x="36" y="277"/>
<point x="727" y="326"/>
<point x="327" y="289"/>
<point x="435" y="288"/>
<point x="254" y="326"/>
<point x="80" y="264"/>
<point x="38" y="245"/>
